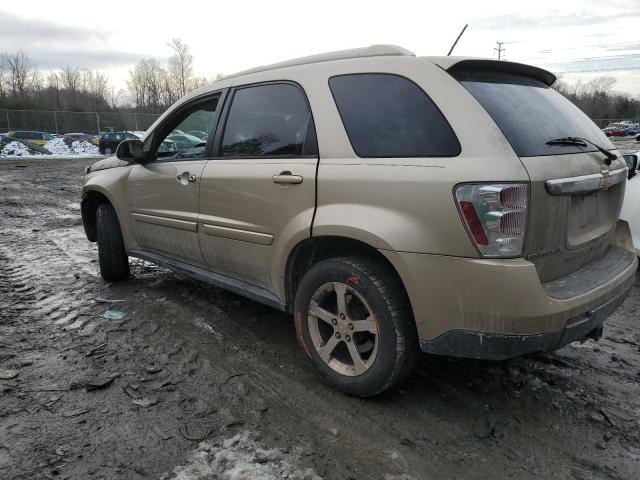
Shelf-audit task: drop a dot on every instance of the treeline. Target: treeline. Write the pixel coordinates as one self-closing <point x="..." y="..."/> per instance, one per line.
<point x="598" y="99"/>
<point x="23" y="86"/>
<point x="153" y="85"/>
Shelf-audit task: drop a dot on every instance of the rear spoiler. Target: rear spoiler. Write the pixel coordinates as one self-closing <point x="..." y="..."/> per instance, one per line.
<point x="455" y="65"/>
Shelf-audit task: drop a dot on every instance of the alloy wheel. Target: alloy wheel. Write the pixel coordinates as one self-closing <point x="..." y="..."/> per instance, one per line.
<point x="343" y="329"/>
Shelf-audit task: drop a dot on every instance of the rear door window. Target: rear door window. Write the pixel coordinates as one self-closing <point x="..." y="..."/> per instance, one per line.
<point x="388" y="115"/>
<point x="268" y="120"/>
<point x="530" y="113"/>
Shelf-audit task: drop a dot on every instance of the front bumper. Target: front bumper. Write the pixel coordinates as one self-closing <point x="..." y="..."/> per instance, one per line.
<point x="491" y="346"/>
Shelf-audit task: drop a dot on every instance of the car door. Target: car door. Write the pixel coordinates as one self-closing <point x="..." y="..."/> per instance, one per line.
<point x="164" y="192"/>
<point x="259" y="187"/>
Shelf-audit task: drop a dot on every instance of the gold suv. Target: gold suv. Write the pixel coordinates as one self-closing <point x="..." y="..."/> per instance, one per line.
<point x="391" y="203"/>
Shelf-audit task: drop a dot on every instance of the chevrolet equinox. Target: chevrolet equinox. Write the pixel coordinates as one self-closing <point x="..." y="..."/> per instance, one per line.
<point x="391" y="203"/>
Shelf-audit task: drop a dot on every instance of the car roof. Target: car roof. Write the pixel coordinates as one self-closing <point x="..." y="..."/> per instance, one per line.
<point x="444" y="62"/>
<point x="371" y="51"/>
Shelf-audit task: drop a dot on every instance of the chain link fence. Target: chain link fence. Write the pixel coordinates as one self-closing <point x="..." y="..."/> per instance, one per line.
<point x="74" y="122"/>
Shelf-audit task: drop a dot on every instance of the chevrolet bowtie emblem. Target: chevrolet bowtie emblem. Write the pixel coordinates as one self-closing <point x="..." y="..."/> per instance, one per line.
<point x="605" y="182"/>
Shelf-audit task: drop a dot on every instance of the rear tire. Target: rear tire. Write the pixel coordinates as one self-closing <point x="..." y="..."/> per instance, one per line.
<point x="114" y="262"/>
<point x="369" y="342"/>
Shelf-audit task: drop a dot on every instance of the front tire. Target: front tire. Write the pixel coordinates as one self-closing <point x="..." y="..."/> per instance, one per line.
<point x="354" y="321"/>
<point x="114" y="262"/>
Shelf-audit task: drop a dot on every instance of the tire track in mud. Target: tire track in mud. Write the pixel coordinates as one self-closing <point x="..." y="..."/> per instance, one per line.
<point x="41" y="281"/>
<point x="55" y="306"/>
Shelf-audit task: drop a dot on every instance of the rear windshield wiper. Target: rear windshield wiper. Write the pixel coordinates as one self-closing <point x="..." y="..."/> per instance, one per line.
<point x="582" y="142"/>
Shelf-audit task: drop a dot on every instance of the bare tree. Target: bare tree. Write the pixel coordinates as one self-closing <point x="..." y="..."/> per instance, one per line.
<point x="20" y="67"/>
<point x="70" y="77"/>
<point x="148" y="84"/>
<point x="600" y="85"/>
<point x="3" y="73"/>
<point x="181" y="65"/>
<point x="54" y="86"/>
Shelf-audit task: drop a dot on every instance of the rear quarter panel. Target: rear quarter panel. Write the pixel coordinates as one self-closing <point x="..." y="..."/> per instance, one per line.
<point x="403" y="204"/>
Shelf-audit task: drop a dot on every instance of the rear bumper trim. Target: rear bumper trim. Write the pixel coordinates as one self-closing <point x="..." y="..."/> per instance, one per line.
<point x="491" y="346"/>
<point x="614" y="262"/>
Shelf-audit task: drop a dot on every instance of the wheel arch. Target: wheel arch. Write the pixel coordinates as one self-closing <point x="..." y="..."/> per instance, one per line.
<point x="308" y="252"/>
<point x="91" y="200"/>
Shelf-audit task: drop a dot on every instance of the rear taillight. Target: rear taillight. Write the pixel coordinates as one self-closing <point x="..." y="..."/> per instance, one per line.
<point x="495" y="215"/>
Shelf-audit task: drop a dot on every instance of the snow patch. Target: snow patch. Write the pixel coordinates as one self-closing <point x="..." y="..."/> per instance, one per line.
<point x="58" y="146"/>
<point x="17" y="149"/>
<point x="241" y="458"/>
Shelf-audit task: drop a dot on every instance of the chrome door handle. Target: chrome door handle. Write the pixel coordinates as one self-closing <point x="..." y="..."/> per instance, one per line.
<point x="287" y="178"/>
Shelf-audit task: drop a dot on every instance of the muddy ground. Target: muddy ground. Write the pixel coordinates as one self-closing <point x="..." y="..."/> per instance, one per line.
<point x="194" y="382"/>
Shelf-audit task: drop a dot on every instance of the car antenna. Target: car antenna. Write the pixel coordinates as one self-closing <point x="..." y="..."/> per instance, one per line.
<point x="456" y="42"/>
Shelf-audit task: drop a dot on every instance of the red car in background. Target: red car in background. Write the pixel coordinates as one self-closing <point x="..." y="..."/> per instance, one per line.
<point x="615" y="131"/>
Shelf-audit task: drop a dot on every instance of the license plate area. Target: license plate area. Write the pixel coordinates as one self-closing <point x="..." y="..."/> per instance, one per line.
<point x="591" y="216"/>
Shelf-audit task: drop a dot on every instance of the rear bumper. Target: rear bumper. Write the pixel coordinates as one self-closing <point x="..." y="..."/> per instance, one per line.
<point x="491" y="346"/>
<point x="497" y="308"/>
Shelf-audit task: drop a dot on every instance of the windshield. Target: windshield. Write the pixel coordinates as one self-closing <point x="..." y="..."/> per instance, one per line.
<point x="530" y="113"/>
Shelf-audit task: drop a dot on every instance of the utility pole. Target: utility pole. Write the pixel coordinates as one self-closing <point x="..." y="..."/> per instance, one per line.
<point x="500" y="50"/>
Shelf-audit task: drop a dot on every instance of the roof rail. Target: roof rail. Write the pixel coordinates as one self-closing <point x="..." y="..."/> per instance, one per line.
<point x="371" y="51"/>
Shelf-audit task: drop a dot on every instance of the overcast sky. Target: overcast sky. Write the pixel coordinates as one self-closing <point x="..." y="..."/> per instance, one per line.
<point x="590" y="37"/>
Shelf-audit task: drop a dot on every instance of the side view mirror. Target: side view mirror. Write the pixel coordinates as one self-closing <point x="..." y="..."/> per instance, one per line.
<point x="632" y="163"/>
<point x="130" y="150"/>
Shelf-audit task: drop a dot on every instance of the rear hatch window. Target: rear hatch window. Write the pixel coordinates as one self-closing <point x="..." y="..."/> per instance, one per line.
<point x="530" y="113"/>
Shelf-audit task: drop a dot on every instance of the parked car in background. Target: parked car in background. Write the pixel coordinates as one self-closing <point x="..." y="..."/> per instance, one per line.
<point x="31" y="136"/>
<point x="619" y="130"/>
<point x="614" y="131"/>
<point x="631" y="206"/>
<point x="110" y="141"/>
<point x="4" y="138"/>
<point x="79" y="137"/>
<point x="199" y="134"/>
<point x="95" y="140"/>
<point x="493" y="253"/>
<point x="630" y="124"/>
<point x="184" y="141"/>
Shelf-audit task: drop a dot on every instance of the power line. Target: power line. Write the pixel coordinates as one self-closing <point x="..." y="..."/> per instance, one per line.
<point x="601" y="45"/>
<point x="499" y="49"/>
<point x="613" y="69"/>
